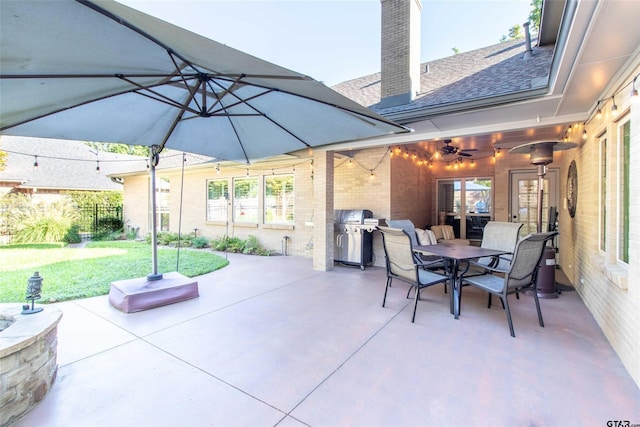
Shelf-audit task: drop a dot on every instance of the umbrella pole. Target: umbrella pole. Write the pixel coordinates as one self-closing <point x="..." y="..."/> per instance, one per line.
<point x="153" y="161"/>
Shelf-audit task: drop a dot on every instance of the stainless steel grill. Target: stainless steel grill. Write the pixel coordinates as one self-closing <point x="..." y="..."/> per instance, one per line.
<point x="353" y="242"/>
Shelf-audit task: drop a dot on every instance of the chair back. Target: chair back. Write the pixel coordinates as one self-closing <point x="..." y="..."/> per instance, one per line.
<point x="406" y="225"/>
<point x="526" y="258"/>
<point x="501" y="236"/>
<point x="399" y="253"/>
<point x="443" y="232"/>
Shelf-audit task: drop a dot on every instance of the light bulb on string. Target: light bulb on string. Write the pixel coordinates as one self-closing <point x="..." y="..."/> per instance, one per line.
<point x="35" y="163"/>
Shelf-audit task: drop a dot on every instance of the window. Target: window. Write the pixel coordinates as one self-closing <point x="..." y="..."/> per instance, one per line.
<point x="603" y="195"/>
<point x="163" y="187"/>
<point x="624" y="163"/>
<point x="245" y="200"/>
<point x="217" y="196"/>
<point x="278" y="199"/>
<point x="477" y="196"/>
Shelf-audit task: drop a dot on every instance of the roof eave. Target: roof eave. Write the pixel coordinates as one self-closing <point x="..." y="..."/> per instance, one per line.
<point x="406" y="117"/>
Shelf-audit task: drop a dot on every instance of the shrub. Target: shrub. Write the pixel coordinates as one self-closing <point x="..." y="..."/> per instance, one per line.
<point x="39" y="223"/>
<point x="199" y="242"/>
<point x="73" y="234"/>
<point x="237" y="245"/>
<point x="132" y="233"/>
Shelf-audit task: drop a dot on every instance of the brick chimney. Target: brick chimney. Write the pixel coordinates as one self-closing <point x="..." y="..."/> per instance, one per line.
<point x="400" y="51"/>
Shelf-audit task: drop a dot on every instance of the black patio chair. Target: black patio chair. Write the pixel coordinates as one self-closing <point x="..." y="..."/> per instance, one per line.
<point x="520" y="275"/>
<point x="402" y="265"/>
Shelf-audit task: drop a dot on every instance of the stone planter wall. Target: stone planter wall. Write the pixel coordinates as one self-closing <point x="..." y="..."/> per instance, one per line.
<point x="28" y="353"/>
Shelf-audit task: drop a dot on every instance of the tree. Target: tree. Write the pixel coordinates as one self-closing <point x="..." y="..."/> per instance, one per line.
<point x="455" y="50"/>
<point x="516" y="31"/>
<point x="134" y="150"/>
<point x="535" y="14"/>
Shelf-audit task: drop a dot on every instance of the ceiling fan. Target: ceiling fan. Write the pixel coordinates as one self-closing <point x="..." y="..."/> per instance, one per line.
<point x="449" y="149"/>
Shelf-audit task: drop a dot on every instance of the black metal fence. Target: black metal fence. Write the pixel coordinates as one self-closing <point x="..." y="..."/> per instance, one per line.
<point x="99" y="220"/>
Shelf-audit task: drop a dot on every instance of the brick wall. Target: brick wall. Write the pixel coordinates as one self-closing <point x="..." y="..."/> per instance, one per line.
<point x="605" y="284"/>
<point x="400" y="50"/>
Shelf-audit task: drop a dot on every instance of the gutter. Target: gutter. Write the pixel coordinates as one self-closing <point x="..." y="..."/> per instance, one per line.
<point x="408" y="116"/>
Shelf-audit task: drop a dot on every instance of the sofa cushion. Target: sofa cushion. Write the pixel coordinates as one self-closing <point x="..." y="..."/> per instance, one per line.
<point x="447" y="233"/>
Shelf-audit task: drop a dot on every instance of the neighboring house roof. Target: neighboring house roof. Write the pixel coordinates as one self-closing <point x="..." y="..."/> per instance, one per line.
<point x="493" y="71"/>
<point x="62" y="165"/>
<point x="169" y="159"/>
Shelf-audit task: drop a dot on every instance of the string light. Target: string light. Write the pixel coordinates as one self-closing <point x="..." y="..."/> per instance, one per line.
<point x="97" y="166"/>
<point x="218" y="169"/>
<point x="614" y="107"/>
<point x="35" y="163"/>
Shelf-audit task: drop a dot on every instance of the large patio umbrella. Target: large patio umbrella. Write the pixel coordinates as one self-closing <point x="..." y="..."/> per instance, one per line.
<point x="101" y="71"/>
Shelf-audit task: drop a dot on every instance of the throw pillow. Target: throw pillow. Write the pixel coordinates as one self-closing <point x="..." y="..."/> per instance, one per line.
<point x="423" y="237"/>
<point x="432" y="237"/>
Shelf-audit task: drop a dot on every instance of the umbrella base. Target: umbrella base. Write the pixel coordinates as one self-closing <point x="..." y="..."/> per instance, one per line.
<point x="153" y="277"/>
<point x="142" y="293"/>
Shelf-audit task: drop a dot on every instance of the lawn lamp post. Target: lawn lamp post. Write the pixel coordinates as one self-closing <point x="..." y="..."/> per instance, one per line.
<point x="34" y="287"/>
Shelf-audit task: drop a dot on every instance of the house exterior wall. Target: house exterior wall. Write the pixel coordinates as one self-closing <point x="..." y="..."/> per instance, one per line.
<point x="409" y="190"/>
<point x="192" y="214"/>
<point x="604" y="283"/>
<point x="356" y="188"/>
<point x="135" y="203"/>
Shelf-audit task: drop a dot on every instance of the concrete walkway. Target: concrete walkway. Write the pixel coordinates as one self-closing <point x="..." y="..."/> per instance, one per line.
<point x="272" y="342"/>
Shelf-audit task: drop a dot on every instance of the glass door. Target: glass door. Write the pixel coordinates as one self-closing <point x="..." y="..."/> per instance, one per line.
<point x="524" y="199"/>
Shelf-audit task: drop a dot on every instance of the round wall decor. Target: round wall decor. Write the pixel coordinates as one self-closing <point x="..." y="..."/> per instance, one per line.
<point x="572" y="189"/>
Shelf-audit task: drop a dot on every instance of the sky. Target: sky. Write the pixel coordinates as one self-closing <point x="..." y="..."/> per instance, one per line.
<point x="335" y="40"/>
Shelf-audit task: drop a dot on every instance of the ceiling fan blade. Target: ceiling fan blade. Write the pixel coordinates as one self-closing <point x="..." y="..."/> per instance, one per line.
<point x="462" y="153"/>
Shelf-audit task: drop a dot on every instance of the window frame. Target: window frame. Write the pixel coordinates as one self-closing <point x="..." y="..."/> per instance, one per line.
<point x="267" y="205"/>
<point x="602" y="193"/>
<point x="623" y="190"/>
<point x="225" y="197"/>
<point x="239" y="211"/>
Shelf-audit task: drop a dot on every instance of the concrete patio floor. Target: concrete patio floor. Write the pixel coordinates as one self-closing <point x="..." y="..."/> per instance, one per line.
<point x="272" y="342"/>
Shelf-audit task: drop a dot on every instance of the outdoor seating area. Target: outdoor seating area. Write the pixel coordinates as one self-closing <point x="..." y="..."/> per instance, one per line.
<point x="303" y="347"/>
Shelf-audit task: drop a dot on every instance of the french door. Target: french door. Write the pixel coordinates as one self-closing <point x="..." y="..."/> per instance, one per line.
<point x="524" y="198"/>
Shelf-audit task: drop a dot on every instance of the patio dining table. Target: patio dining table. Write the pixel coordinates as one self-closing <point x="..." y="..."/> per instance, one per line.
<point x="453" y="255"/>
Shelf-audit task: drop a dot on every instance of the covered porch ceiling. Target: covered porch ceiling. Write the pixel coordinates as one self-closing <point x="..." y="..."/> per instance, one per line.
<point x="596" y="43"/>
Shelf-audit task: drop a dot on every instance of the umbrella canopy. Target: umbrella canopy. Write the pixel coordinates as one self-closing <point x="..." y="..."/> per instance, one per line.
<point x="101" y="71"/>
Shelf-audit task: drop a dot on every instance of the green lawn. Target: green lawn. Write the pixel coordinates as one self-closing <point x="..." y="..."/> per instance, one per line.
<point x="72" y="273"/>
